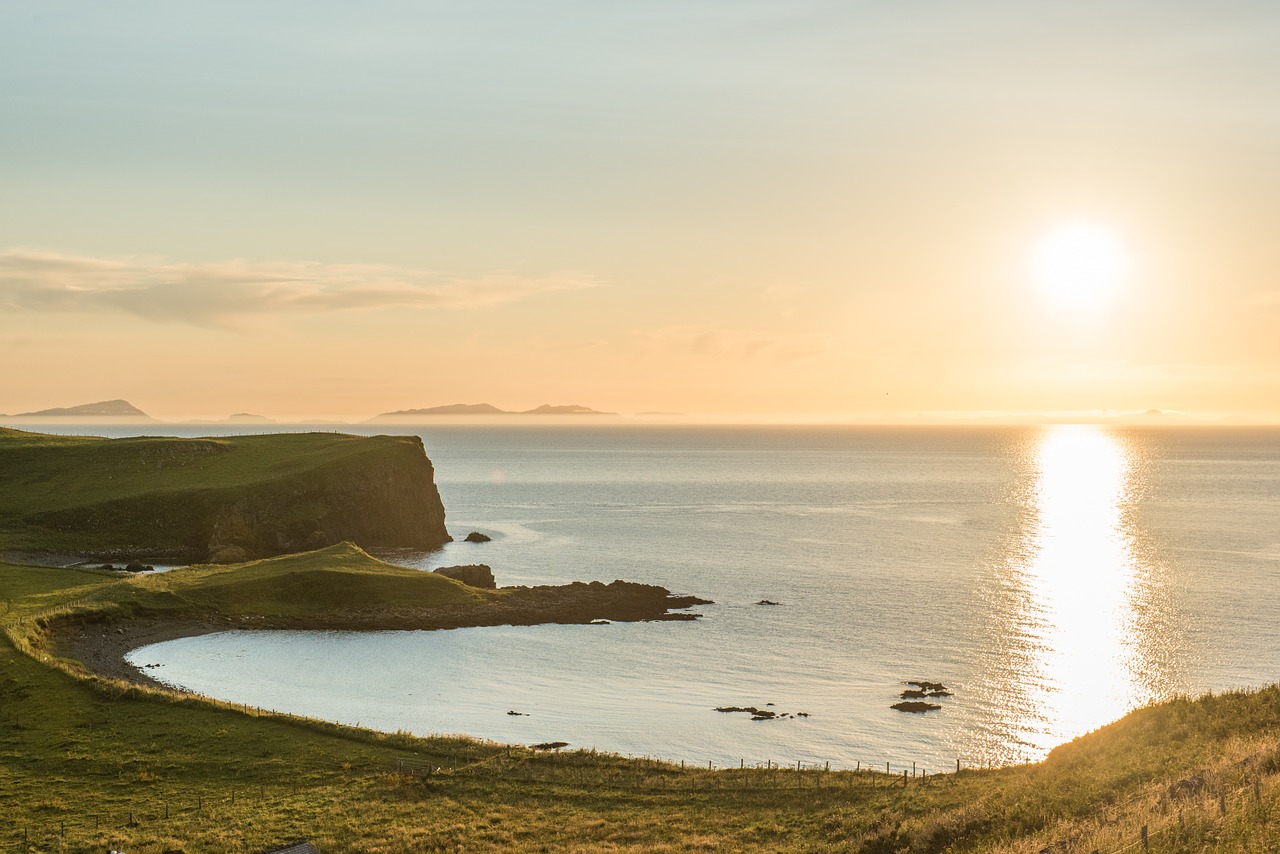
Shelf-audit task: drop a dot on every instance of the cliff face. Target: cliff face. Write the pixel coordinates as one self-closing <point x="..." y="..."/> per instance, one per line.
<point x="389" y="500"/>
<point x="222" y="499"/>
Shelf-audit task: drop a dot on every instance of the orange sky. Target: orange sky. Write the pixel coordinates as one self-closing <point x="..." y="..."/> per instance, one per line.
<point x="756" y="210"/>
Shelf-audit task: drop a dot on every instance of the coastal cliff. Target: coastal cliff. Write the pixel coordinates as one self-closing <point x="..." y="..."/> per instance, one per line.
<point x="215" y="499"/>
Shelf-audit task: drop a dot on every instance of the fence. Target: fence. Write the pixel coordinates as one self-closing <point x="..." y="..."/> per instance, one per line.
<point x="1168" y="822"/>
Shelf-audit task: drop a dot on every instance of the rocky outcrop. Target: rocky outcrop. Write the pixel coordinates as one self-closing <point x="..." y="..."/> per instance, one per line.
<point x="476" y="575"/>
<point x="477" y="537"/>
<point x="378" y="500"/>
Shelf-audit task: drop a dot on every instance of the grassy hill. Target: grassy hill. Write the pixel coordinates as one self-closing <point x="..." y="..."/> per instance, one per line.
<point x="325" y="583"/>
<point x="224" y="499"/>
<point x="89" y="764"/>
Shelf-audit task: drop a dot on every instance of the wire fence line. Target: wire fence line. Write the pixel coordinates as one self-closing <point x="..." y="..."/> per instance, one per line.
<point x="189" y="809"/>
<point x="1167" y="820"/>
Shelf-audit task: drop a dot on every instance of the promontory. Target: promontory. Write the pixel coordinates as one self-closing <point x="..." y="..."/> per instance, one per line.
<point x="220" y="500"/>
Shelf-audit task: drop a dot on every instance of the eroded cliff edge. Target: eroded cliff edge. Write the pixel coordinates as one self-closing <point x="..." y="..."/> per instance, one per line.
<point x="218" y="499"/>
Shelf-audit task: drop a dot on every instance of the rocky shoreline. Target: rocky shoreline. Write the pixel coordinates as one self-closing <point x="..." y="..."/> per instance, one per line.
<point x="101" y="643"/>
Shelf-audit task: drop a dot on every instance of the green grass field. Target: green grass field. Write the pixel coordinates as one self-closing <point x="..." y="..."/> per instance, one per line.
<point x="87" y="764"/>
<point x="338" y="579"/>
<point x="169" y="496"/>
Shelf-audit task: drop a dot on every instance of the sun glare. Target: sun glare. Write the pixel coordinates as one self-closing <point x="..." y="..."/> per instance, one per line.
<point x="1080" y="264"/>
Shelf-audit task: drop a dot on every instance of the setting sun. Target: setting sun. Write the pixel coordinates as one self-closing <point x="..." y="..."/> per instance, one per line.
<point x="1080" y="264"/>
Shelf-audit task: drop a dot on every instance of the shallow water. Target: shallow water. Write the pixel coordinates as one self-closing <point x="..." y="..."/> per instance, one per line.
<point x="1052" y="578"/>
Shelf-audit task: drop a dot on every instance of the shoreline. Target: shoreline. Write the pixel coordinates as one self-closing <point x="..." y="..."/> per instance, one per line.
<point x="100" y="645"/>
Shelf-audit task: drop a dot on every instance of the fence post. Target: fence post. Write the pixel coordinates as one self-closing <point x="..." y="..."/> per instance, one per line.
<point x="1222" y="803"/>
<point x="957" y="766"/>
<point x="904" y="778"/>
<point x="1145" y="843"/>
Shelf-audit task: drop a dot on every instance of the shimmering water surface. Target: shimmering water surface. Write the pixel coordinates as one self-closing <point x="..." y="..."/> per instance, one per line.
<point x="1052" y="578"/>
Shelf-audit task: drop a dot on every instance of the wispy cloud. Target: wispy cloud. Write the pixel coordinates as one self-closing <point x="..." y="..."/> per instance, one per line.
<point x="223" y="293"/>
<point x="720" y="342"/>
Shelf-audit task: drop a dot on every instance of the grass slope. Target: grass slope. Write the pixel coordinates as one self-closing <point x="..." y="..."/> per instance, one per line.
<point x="167" y="495"/>
<point x="328" y="582"/>
<point x="89" y="764"/>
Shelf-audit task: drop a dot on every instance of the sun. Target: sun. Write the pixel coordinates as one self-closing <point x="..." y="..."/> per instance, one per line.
<point x="1080" y="264"/>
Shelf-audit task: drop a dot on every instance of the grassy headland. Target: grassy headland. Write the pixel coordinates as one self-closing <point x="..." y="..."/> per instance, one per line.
<point x="223" y="499"/>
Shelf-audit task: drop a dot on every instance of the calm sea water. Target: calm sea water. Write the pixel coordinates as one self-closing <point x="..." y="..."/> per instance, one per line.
<point x="1052" y="578"/>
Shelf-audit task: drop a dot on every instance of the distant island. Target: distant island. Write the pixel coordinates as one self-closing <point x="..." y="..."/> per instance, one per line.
<point x="112" y="409"/>
<point x="487" y="409"/>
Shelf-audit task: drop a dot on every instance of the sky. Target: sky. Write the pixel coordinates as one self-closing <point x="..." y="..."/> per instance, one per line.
<point x="739" y="209"/>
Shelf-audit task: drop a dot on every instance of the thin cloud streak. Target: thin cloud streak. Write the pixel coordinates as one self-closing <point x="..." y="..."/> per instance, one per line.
<point x="743" y="345"/>
<point x="221" y="293"/>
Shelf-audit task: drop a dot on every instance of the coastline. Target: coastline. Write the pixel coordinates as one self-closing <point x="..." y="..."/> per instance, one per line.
<point x="100" y="645"/>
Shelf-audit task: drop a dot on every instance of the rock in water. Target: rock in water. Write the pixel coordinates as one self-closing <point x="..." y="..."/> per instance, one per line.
<point x="477" y="537"/>
<point x="916" y="707"/>
<point x="476" y="575"/>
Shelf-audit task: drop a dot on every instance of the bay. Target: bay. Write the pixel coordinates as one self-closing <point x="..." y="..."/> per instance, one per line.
<point x="1053" y="578"/>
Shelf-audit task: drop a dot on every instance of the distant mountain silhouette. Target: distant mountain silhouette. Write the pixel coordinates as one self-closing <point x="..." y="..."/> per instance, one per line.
<point x="451" y="409"/>
<point x="102" y="409"/>
<point x="490" y="409"/>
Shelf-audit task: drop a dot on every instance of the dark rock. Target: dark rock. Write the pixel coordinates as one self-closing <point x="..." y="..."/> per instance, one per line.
<point x="928" y="686"/>
<point x="916" y="707"/>
<point x="477" y="575"/>
<point x="477" y="537"/>
<point x="756" y="714"/>
<point x="517" y="714"/>
<point x="134" y="566"/>
<point x="767" y="602"/>
<point x="913" y="694"/>
<point x="550" y="745"/>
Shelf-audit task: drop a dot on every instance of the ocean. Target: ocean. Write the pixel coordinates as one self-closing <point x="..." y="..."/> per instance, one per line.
<point x="1052" y="578"/>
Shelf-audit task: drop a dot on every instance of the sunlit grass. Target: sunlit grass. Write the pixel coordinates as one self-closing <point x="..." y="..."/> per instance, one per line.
<point x="80" y="757"/>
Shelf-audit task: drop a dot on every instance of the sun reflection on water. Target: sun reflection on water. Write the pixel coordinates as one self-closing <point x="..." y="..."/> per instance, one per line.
<point x="1082" y="581"/>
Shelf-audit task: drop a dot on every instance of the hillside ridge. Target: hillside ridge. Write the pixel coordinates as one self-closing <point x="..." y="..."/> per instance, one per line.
<point x="222" y="499"/>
